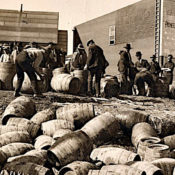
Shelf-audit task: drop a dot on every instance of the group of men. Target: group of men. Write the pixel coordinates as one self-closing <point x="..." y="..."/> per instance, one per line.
<point x="141" y="72"/>
<point x="29" y="58"/>
<point x="94" y="61"/>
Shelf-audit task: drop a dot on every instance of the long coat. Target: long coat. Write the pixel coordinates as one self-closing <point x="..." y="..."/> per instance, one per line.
<point x="96" y="58"/>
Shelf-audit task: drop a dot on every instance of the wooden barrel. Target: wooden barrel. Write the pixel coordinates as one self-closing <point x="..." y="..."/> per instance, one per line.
<point x="148" y="167"/>
<point x="60" y="133"/>
<point x="6" y="128"/>
<point x="15" y="149"/>
<point x="12" y="137"/>
<point x="140" y="131"/>
<point x="113" y="155"/>
<point x="27" y="158"/>
<point x="43" y="116"/>
<point x="78" y="113"/>
<point x="3" y="157"/>
<point x="57" y="71"/>
<point x="172" y="91"/>
<point x="82" y="75"/>
<point x="144" y="143"/>
<point x="27" y="125"/>
<point x="4" y="172"/>
<point x="117" y="170"/>
<point x="65" y="83"/>
<point x="129" y="118"/>
<point x="43" y="142"/>
<point x="156" y="151"/>
<point x="43" y="85"/>
<point x="27" y="168"/>
<point x="161" y="87"/>
<point x="22" y="107"/>
<point x="42" y="154"/>
<point x="102" y="128"/>
<point x="163" y="122"/>
<point x="7" y="72"/>
<point x="109" y="87"/>
<point x="49" y="127"/>
<point x="47" y="72"/>
<point x="77" y="167"/>
<point x="170" y="141"/>
<point x="71" y="147"/>
<point x="165" y="164"/>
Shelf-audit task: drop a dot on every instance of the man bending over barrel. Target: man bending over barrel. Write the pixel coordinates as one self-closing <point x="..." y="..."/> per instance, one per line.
<point x="28" y="61"/>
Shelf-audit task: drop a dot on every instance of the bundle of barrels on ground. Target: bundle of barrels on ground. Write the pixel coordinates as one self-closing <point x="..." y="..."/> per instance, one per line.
<point x="76" y="83"/>
<point x="73" y="140"/>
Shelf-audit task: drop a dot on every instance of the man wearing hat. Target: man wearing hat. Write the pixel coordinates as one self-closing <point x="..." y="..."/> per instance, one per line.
<point x="131" y="70"/>
<point x="143" y="76"/>
<point x="168" y="69"/>
<point x="123" y="65"/>
<point x="79" y="58"/>
<point x="141" y="64"/>
<point x="154" y="68"/>
<point x="96" y="64"/>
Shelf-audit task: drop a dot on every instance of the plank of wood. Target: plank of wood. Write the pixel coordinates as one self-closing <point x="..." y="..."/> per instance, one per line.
<point x="34" y="25"/>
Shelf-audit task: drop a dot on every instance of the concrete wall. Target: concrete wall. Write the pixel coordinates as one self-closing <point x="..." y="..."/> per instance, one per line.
<point x="169" y="28"/>
<point x="134" y="24"/>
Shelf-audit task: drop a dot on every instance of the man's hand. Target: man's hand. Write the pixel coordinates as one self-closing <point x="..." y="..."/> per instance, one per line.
<point x="42" y="77"/>
<point x="85" y="67"/>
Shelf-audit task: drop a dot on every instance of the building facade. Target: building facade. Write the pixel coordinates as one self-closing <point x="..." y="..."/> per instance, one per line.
<point x="144" y="25"/>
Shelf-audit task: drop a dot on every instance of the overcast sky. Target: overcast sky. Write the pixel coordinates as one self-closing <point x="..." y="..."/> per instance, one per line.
<point x="72" y="12"/>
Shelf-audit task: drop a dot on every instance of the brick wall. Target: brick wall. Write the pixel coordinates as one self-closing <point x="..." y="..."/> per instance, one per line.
<point x="134" y="24"/>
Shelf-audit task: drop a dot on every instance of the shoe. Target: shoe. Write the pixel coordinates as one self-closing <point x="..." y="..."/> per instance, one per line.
<point x="39" y="95"/>
<point x="17" y="94"/>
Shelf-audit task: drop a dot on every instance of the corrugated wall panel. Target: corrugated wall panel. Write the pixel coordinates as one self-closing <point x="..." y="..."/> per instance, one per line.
<point x="62" y="39"/>
<point x="29" y="26"/>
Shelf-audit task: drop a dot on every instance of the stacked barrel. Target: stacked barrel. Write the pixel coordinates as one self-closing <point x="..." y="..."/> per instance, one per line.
<point x="73" y="139"/>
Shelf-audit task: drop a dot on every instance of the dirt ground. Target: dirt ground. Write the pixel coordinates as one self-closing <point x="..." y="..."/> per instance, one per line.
<point x="151" y="106"/>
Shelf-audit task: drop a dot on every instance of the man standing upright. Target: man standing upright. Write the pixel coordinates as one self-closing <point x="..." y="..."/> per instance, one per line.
<point x="154" y="68"/>
<point x="168" y="69"/>
<point x="96" y="64"/>
<point x="79" y="58"/>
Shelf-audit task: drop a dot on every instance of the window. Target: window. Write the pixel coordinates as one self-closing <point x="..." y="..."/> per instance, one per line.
<point x="112" y="35"/>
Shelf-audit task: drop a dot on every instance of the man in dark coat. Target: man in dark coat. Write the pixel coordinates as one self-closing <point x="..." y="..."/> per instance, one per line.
<point x="79" y="58"/>
<point x="123" y="66"/>
<point x="154" y="68"/>
<point x="96" y="64"/>
<point x="143" y="76"/>
<point x="168" y="69"/>
<point x="141" y="64"/>
<point x="24" y="63"/>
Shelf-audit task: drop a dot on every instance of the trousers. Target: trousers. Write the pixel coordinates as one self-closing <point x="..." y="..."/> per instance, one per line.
<point x="97" y="73"/>
<point x="24" y="65"/>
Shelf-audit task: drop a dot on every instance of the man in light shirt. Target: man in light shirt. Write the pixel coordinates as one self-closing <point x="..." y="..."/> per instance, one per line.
<point x="28" y="61"/>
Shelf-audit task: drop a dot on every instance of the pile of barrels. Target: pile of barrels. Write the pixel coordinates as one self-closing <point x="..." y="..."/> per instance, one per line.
<point x="76" y="83"/>
<point x="57" y="80"/>
<point x="74" y="140"/>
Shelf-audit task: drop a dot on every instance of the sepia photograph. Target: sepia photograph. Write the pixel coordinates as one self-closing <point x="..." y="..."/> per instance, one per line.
<point x="87" y="87"/>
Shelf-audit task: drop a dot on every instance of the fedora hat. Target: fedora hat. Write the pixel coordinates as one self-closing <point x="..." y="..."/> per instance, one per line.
<point x="80" y="46"/>
<point x="153" y="56"/>
<point x="128" y="46"/>
<point x="90" y="41"/>
<point x="138" y="53"/>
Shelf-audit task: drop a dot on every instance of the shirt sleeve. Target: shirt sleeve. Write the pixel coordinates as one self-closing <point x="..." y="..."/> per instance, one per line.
<point x="38" y="60"/>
